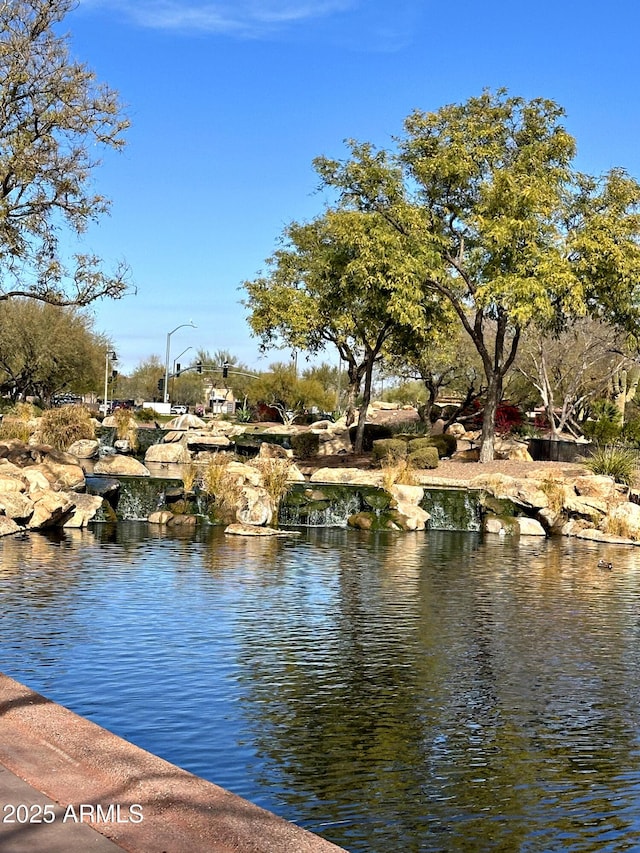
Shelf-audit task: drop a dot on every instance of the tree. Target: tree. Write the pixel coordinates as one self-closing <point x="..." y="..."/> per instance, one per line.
<point x="572" y="368"/>
<point x="281" y="388"/>
<point x="142" y="384"/>
<point x="54" y="117"/>
<point x="512" y="236"/>
<point x="343" y="279"/>
<point x="46" y="349"/>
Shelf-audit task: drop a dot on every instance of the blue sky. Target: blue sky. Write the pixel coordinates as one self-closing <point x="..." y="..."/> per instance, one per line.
<point x="231" y="101"/>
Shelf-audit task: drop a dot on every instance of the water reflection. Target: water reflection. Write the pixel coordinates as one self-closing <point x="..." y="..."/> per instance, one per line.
<point x="414" y="692"/>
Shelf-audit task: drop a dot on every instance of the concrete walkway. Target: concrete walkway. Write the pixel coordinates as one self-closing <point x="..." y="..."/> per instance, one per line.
<point x="67" y="785"/>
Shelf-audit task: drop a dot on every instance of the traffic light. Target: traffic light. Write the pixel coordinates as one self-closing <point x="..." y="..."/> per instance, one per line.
<point x="114" y="374"/>
<point x="199" y="366"/>
<point x="177" y="370"/>
<point x="225" y="370"/>
<point x="161" y="385"/>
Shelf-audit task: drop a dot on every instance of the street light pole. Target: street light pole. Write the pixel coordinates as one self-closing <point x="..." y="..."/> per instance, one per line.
<point x="166" y="362"/>
<point x="110" y="356"/>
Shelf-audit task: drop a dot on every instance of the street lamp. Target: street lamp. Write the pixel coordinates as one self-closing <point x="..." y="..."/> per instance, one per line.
<point x="109" y="357"/>
<point x="176" y="362"/>
<point x="166" y="362"/>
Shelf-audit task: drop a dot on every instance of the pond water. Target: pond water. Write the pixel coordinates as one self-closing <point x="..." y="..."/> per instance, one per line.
<point x="392" y="692"/>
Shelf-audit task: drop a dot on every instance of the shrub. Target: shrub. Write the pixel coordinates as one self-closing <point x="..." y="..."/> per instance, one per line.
<point x="389" y="450"/>
<point x="631" y="431"/>
<point x="222" y="486"/>
<point x="15" y="428"/>
<point x="398" y="472"/>
<point x="445" y="444"/>
<point x="615" y="461"/>
<point x="275" y="477"/>
<point x="305" y="444"/>
<point x="605" y="424"/>
<point x="61" y="427"/>
<point x="145" y="416"/>
<point x="126" y="427"/>
<point x="426" y="457"/>
<point x="372" y="432"/>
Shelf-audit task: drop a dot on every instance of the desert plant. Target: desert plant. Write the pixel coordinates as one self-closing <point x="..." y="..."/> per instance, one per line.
<point x="305" y="444"/>
<point x="126" y="427"/>
<point x="398" y="472"/>
<point x="15" y="428"/>
<point x="445" y="444"/>
<point x="425" y="458"/>
<point x="145" y="416"/>
<point x="554" y="490"/>
<point x="389" y="450"/>
<point x="190" y="473"/>
<point x="61" y="427"/>
<point x="223" y="486"/>
<point x="605" y="425"/>
<point x="615" y="461"/>
<point x="275" y="476"/>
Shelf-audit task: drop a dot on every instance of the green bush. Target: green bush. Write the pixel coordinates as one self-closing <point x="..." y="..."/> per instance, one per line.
<point x="305" y="444"/>
<point x="631" y="432"/>
<point x="605" y="425"/>
<point x="62" y="426"/>
<point x="145" y="416"/>
<point x="614" y="461"/>
<point x="387" y="450"/>
<point x="426" y="457"/>
<point x="372" y="432"/>
<point x="445" y="444"/>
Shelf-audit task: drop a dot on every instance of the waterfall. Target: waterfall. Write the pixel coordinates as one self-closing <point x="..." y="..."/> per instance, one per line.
<point x="453" y="509"/>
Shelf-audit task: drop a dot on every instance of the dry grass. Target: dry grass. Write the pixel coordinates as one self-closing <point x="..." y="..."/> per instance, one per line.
<point x="275" y="477"/>
<point x="222" y="486"/>
<point x="61" y="427"/>
<point x="126" y="427"/>
<point x="398" y="472"/>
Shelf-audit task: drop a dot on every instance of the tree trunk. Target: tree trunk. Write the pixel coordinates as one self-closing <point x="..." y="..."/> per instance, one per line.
<point x="362" y="417"/>
<point x="487" y="441"/>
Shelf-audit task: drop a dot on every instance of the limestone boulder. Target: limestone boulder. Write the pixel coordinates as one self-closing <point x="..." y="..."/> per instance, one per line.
<point x="35" y="479"/>
<point x="118" y="465"/>
<point x="407" y="513"/>
<point x="623" y="519"/>
<point x="295" y="475"/>
<point x="334" y="442"/>
<point x="345" y="476"/>
<point x="17" y="506"/>
<point x="62" y="476"/>
<point x="239" y="529"/>
<point x="86" y="507"/>
<point x="255" y="507"/>
<point x="274" y="451"/>
<point x="51" y="509"/>
<point x="522" y="492"/>
<point x="201" y="441"/>
<point x="160" y="517"/>
<point x="8" y="526"/>
<point x="85" y="448"/>
<point x="244" y="473"/>
<point x="529" y="527"/>
<point x="11" y="484"/>
<point x="167" y="453"/>
<point x="598" y="486"/>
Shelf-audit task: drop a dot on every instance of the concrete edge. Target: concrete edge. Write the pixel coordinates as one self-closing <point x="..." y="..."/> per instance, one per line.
<point x="74" y="761"/>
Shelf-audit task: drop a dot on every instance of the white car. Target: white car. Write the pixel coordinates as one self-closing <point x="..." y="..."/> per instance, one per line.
<point x="179" y="410"/>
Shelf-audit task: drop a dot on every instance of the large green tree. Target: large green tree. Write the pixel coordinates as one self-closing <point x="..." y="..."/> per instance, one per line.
<point x="54" y="119"/>
<point x="344" y="279"/>
<point x="47" y="349"/>
<point x="486" y="195"/>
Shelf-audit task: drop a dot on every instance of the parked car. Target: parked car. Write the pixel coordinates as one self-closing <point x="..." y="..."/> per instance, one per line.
<point x="179" y="410"/>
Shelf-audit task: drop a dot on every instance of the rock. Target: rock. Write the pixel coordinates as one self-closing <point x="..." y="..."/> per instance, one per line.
<point x="16" y="506"/>
<point x="529" y="527"/>
<point x="623" y="520"/>
<point x="121" y="466"/>
<point x="187" y="421"/>
<point x="274" y="451"/>
<point x="361" y="520"/>
<point x="456" y="430"/>
<point x="167" y="453"/>
<point x="86" y="509"/>
<point x="183" y="521"/>
<point x="597" y="486"/>
<point x="51" y="509"/>
<point x="255" y="507"/>
<point x="346" y="475"/>
<point x="493" y="524"/>
<point x="35" y="480"/>
<point x="197" y="442"/>
<point x="407" y="513"/>
<point x="85" y="448"/>
<point x="62" y="476"/>
<point x="243" y="472"/>
<point x="8" y="526"/>
<point x="160" y="517"/>
<point x="9" y="484"/>
<point x="295" y="475"/>
<point x="321" y="426"/>
<point x="251" y="530"/>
